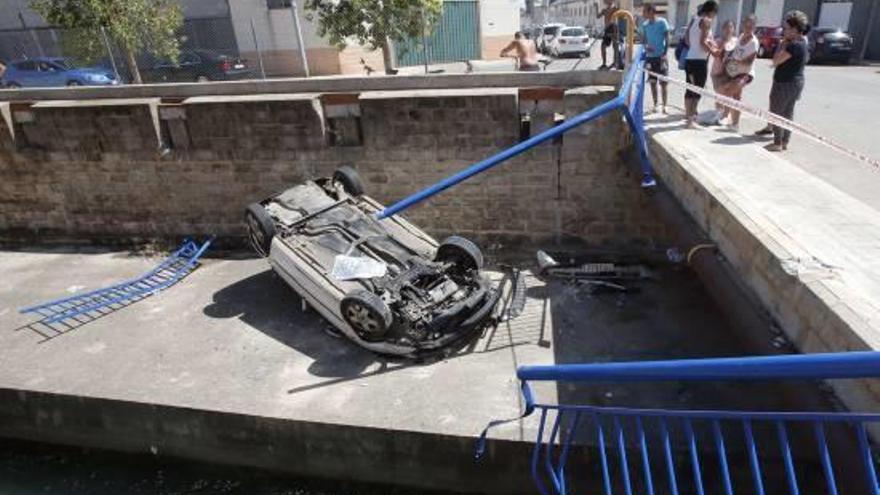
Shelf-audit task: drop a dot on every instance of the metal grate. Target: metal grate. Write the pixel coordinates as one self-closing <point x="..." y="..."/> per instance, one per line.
<point x="170" y="271"/>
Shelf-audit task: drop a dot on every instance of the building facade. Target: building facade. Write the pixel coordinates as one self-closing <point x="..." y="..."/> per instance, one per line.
<point x="263" y="30"/>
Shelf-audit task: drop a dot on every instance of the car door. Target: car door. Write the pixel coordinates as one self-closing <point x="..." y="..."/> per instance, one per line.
<point x="190" y="66"/>
<point x="25" y="73"/>
<point x="51" y="74"/>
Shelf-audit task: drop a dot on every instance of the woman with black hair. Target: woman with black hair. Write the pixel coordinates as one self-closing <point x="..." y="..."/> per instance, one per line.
<point x="700" y="44"/>
<point x="788" y="78"/>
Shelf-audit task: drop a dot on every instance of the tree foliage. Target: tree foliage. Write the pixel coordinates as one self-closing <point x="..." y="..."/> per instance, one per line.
<point x="135" y="25"/>
<point x="373" y="23"/>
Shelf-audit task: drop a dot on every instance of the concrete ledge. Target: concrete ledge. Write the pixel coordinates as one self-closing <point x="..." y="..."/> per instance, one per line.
<point x="808" y="252"/>
<point x="327" y="84"/>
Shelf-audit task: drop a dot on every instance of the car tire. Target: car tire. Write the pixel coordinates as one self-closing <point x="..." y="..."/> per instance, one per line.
<point x="350" y="180"/>
<point x="13" y="85"/>
<point x="203" y="79"/>
<point x="367" y="314"/>
<point x="462" y="252"/>
<point x="73" y="84"/>
<point x="261" y="228"/>
<point x="762" y="53"/>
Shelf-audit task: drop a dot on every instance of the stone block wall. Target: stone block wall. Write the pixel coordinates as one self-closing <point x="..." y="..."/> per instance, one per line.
<point x="100" y="171"/>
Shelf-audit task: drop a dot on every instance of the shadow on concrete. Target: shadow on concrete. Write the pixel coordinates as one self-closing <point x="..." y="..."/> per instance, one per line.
<point x="266" y="303"/>
<point x="48" y="331"/>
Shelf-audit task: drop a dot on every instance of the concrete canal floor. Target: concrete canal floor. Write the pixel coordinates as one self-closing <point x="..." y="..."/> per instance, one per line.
<point x="225" y="367"/>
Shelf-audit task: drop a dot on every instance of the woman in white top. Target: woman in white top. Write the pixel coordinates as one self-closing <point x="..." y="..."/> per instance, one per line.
<point x="699" y="41"/>
<point x="740" y="66"/>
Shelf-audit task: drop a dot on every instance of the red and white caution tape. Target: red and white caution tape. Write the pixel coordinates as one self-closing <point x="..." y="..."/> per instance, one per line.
<point x="771" y="118"/>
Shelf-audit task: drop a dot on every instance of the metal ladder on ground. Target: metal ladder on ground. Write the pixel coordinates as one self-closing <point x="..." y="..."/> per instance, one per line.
<point x="637" y="450"/>
<point x="93" y="303"/>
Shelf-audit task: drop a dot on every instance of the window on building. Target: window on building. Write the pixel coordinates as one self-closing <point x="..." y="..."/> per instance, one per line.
<point x="278" y="4"/>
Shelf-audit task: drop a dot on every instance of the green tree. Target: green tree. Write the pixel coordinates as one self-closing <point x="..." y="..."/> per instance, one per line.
<point x="374" y="23"/>
<point x="135" y="25"/>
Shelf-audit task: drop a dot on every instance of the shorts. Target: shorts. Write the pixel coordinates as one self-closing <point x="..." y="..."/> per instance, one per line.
<point x="610" y="34"/>
<point x="697" y="72"/>
<point x="657" y="65"/>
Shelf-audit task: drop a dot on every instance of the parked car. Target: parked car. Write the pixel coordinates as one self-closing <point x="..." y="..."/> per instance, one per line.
<point x="54" y="72"/>
<point x="830" y="44"/>
<point x="570" y="41"/>
<point x="195" y="66"/>
<point x="548" y="32"/>
<point x="386" y="285"/>
<point x="769" y="38"/>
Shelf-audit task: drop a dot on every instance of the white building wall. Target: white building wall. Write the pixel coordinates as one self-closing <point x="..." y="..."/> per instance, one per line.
<point x="499" y="19"/>
<point x="769" y="12"/>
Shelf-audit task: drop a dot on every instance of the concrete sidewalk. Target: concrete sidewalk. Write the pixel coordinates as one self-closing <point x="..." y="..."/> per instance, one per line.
<point x="809" y="251"/>
<point x="226" y="367"/>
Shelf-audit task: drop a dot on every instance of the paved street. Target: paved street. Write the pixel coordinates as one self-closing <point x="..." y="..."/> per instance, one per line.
<point x="840" y="102"/>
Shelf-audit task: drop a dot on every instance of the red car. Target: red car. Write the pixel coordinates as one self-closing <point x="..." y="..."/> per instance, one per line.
<point x="768" y="40"/>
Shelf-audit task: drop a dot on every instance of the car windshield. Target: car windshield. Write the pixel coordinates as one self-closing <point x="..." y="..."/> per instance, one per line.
<point x="573" y="32"/>
<point x="551" y="30"/>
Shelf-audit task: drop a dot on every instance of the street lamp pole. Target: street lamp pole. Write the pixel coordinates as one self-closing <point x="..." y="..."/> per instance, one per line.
<point x="299" y="37"/>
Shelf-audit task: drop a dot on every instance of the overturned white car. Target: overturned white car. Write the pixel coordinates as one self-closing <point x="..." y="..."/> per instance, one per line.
<point x="385" y="284"/>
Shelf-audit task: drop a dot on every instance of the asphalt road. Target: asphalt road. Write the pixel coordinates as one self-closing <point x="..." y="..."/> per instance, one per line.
<point x="839" y="102"/>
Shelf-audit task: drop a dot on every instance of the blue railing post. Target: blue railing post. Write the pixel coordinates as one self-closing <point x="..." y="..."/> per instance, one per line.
<point x="620" y="102"/>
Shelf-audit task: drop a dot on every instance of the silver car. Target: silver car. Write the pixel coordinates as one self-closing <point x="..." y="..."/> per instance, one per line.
<point x="385" y="284"/>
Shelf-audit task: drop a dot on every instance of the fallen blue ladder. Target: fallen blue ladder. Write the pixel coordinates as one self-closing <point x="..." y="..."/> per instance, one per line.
<point x="180" y="263"/>
<point x="633" y="448"/>
<point x="629" y="101"/>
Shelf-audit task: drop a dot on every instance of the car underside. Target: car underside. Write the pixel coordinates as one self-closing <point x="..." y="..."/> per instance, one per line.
<point x="415" y="297"/>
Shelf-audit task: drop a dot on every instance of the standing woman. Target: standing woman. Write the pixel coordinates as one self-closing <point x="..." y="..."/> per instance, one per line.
<point x="788" y="78"/>
<point x="740" y="66"/>
<point x="699" y="37"/>
<point x="721" y="52"/>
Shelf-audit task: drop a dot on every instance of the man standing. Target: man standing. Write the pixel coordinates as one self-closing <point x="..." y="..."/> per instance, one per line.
<point x="610" y="35"/>
<point x="655" y="34"/>
<point x="526" y="52"/>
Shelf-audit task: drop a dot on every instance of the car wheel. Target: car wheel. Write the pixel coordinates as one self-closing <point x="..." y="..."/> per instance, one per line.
<point x="350" y="180"/>
<point x="761" y="51"/>
<point x="202" y="79"/>
<point x="261" y="228"/>
<point x="366" y="314"/>
<point x="73" y="83"/>
<point x="13" y="85"/>
<point x="461" y="252"/>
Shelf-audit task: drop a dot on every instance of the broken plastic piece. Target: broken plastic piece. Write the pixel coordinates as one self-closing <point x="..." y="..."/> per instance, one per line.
<point x="350" y="267"/>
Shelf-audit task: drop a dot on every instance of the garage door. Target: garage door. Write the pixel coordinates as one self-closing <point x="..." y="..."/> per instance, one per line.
<point x="456" y="37"/>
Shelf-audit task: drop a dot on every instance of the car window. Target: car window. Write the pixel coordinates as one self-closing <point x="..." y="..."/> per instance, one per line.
<point x="62" y="64"/>
<point x="189" y="58"/>
<point x="551" y="30"/>
<point x="46" y="67"/>
<point x="573" y="32"/>
<point x="26" y="65"/>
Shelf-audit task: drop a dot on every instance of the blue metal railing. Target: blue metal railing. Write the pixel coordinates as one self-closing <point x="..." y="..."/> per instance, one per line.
<point x="629" y="100"/>
<point x="704" y="451"/>
<point x="169" y="272"/>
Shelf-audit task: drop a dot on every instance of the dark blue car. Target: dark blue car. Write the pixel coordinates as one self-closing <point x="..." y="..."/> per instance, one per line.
<point x="53" y="72"/>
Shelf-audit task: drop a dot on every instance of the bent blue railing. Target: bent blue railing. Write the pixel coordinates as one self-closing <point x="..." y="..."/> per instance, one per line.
<point x="629" y="100"/>
<point x="180" y="263"/>
<point x="667" y="451"/>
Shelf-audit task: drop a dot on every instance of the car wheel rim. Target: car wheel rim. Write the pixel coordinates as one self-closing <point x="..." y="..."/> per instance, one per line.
<point x="362" y="319"/>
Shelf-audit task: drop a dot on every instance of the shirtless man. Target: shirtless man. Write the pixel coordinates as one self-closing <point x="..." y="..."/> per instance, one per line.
<point x="526" y="52"/>
<point x="610" y="36"/>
